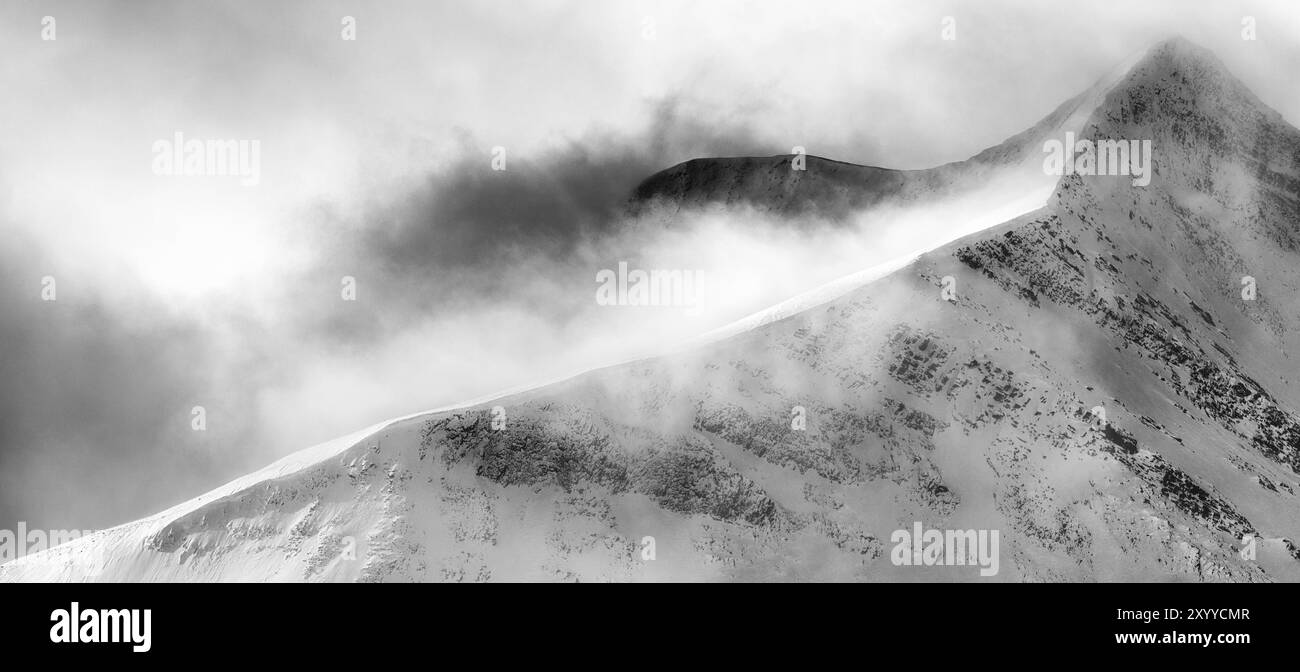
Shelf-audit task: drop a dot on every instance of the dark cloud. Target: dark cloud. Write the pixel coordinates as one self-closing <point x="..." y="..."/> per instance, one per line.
<point x="472" y="234"/>
<point x="96" y="389"/>
<point x="545" y="204"/>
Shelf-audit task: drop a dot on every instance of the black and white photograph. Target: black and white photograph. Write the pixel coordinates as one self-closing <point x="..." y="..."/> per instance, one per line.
<point x="650" y="291"/>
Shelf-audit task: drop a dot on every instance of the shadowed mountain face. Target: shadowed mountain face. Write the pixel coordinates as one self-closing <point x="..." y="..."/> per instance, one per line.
<point x="1106" y="382"/>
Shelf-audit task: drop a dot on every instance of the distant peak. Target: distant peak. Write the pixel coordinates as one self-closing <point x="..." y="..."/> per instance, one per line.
<point x="1194" y="67"/>
<point x="1179" y="52"/>
<point x="1175" y="42"/>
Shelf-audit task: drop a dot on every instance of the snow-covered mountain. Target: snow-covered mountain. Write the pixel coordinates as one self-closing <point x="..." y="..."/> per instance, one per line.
<point x="1106" y="381"/>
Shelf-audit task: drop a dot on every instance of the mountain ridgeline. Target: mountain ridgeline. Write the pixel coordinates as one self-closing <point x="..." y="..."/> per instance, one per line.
<point x="1106" y="382"/>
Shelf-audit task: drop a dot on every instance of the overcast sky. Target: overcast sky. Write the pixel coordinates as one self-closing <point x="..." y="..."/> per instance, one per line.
<point x="174" y="293"/>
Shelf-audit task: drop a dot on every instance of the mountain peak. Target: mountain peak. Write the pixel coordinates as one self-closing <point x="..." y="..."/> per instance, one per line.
<point x="1180" y="96"/>
<point x="1182" y="52"/>
<point x="1194" y="66"/>
<point x="1174" y="76"/>
<point x="1176" y="44"/>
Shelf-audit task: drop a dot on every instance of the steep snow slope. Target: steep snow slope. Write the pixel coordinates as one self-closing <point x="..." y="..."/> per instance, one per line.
<point x="975" y="413"/>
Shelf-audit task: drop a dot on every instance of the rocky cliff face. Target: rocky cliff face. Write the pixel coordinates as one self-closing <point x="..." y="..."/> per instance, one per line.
<point x="1089" y="380"/>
